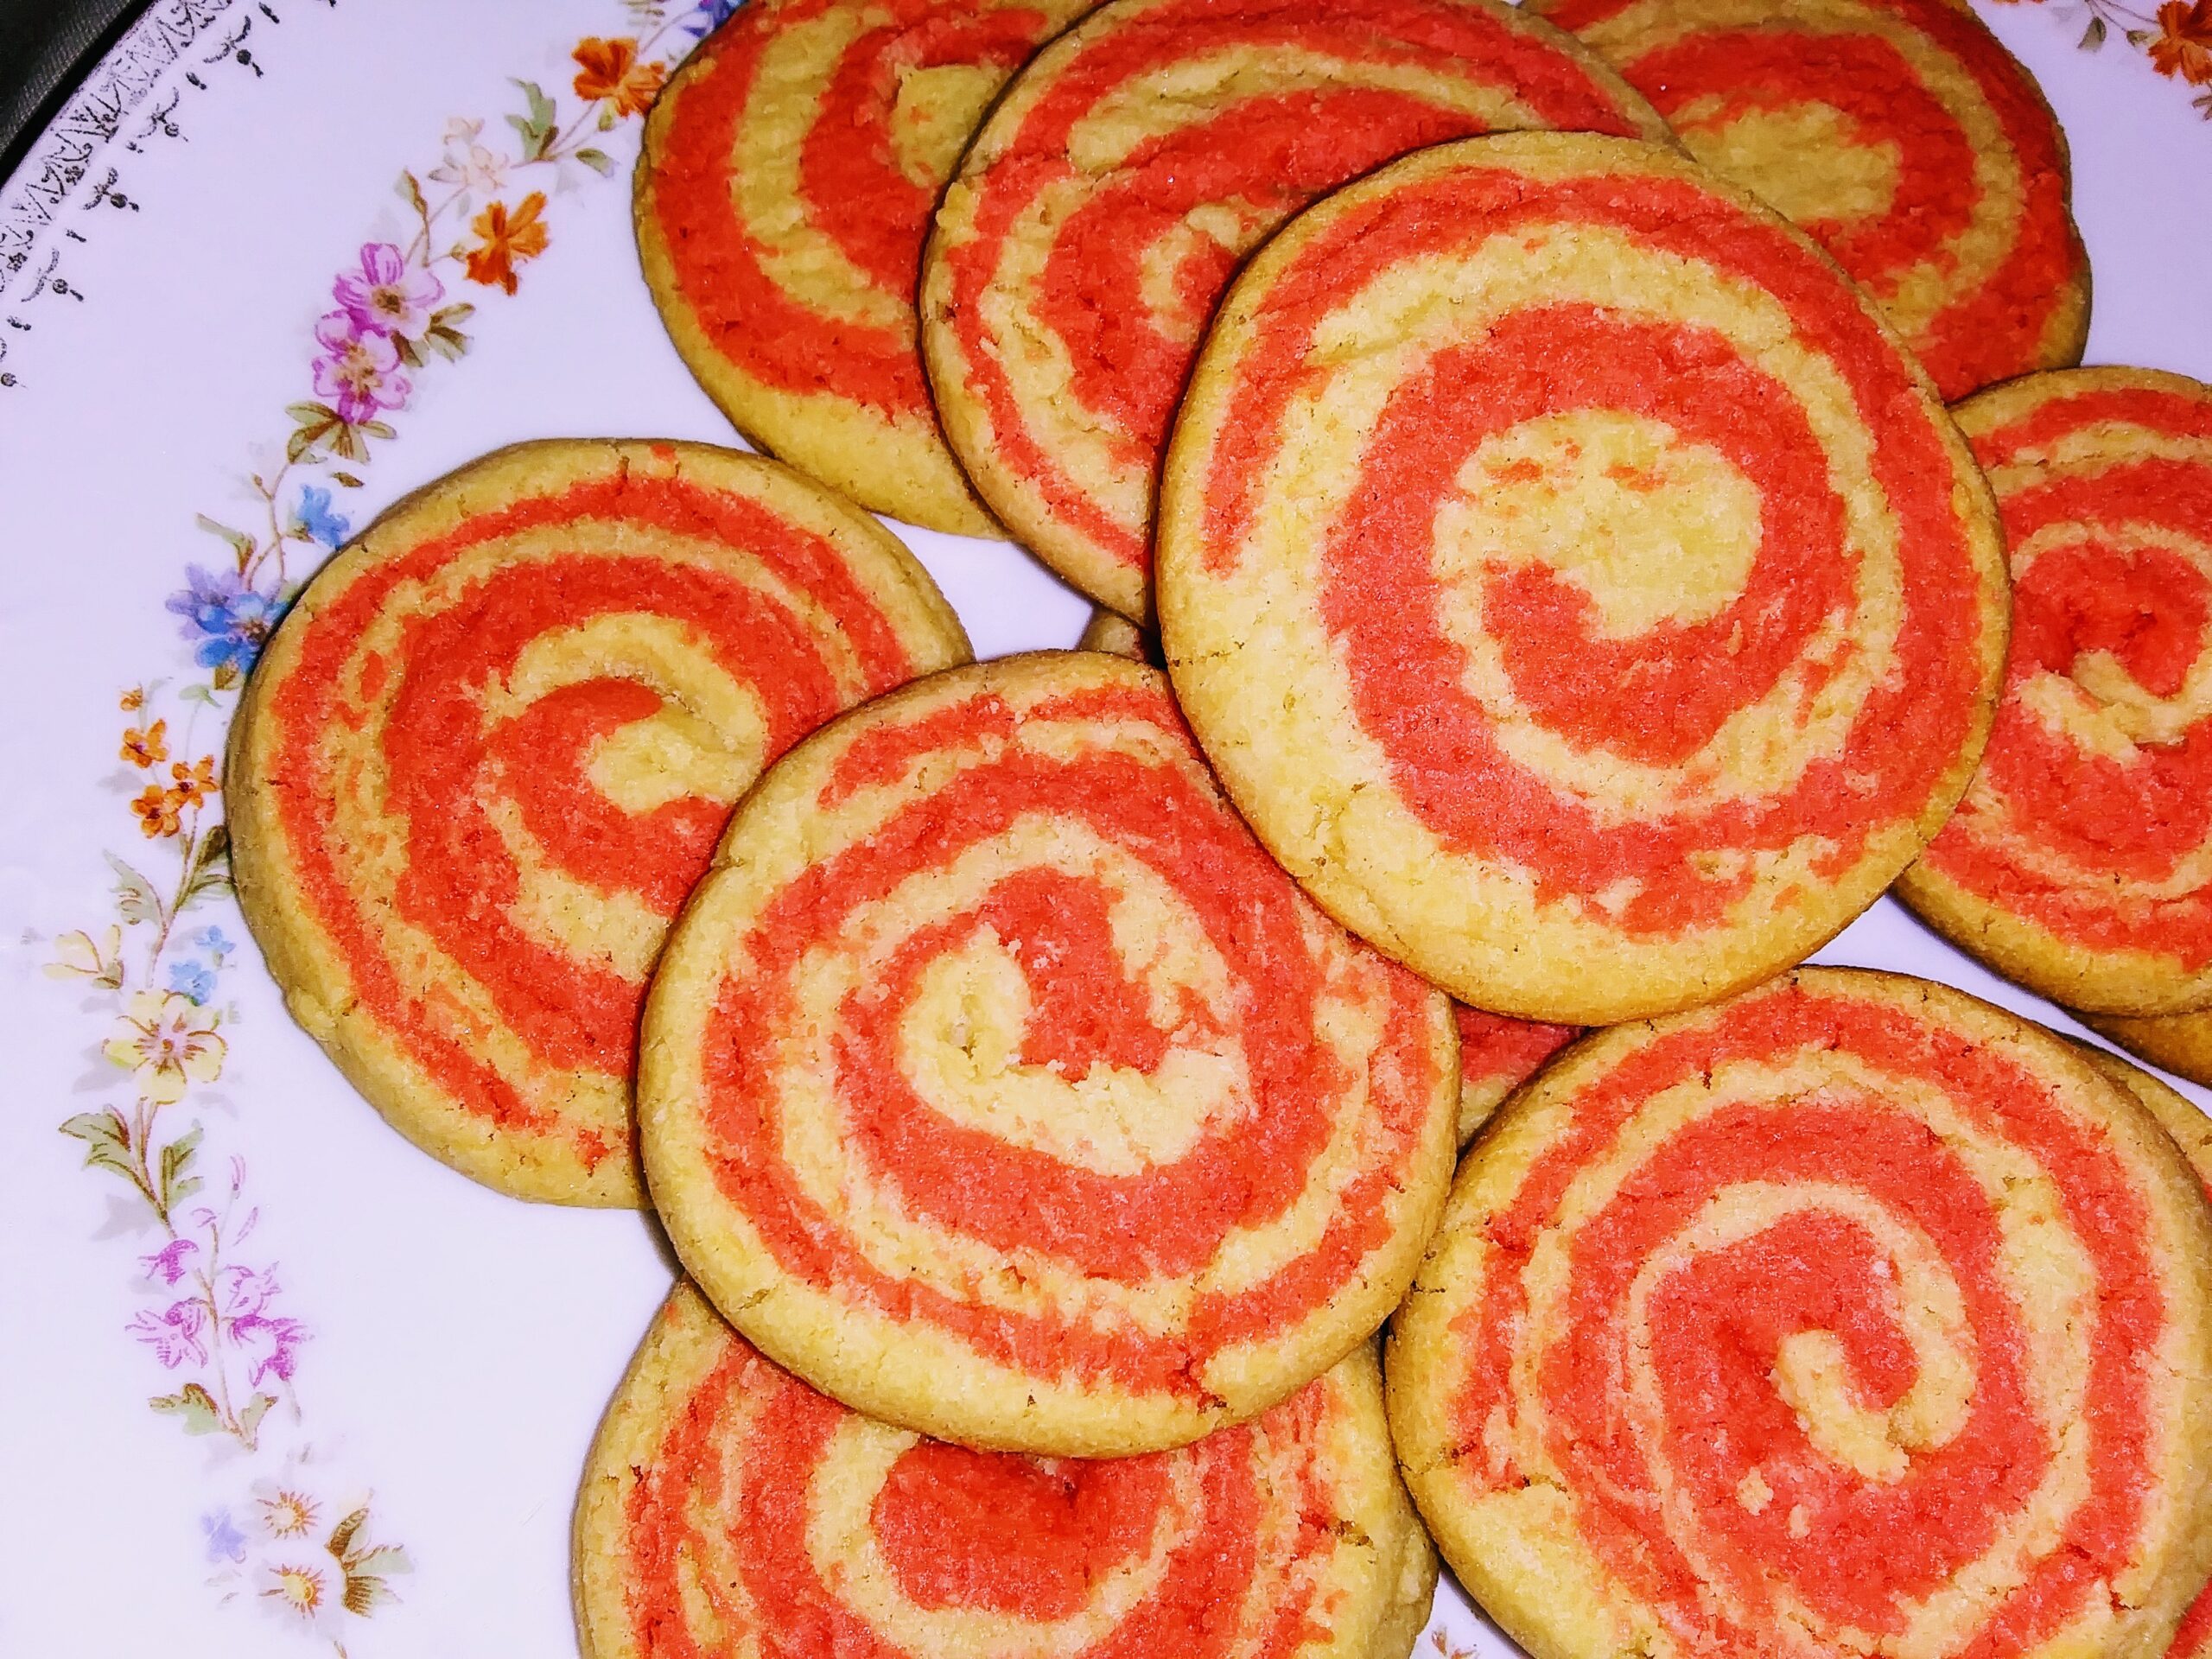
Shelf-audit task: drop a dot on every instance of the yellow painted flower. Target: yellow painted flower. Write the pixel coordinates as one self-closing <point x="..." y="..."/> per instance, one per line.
<point x="166" y="1042"/>
<point x="80" y="955"/>
<point x="158" y="809"/>
<point x="298" y="1591"/>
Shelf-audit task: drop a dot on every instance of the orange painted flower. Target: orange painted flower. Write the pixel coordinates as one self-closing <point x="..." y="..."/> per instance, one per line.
<point x="147" y="748"/>
<point x="611" y="71"/>
<point x="2185" y="44"/>
<point x="157" y="809"/>
<point x="195" y="783"/>
<point x="508" y="239"/>
<point x="133" y="700"/>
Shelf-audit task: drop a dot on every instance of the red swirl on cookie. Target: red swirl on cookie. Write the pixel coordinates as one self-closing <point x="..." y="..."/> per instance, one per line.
<point x="492" y="752"/>
<point x="730" y="1508"/>
<point x="1625" y="590"/>
<point x="791" y="171"/>
<point x="998" y="1046"/>
<point x="2080" y="861"/>
<point x="1837" y="1315"/>
<point x="1497" y="1056"/>
<point x="1902" y="135"/>
<point x="1113" y="193"/>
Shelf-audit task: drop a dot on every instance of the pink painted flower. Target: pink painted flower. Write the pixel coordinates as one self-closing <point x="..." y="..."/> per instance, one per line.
<point x="174" y="1334"/>
<point x="167" y="1264"/>
<point x="361" y="373"/>
<point x="271" y="1346"/>
<point x="240" y="1292"/>
<point x="384" y="296"/>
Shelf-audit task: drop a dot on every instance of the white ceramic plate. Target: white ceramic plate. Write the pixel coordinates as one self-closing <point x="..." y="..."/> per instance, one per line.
<point x="372" y="1336"/>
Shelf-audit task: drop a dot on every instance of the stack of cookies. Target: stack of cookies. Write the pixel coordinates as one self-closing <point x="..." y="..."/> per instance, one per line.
<point x="1543" y="587"/>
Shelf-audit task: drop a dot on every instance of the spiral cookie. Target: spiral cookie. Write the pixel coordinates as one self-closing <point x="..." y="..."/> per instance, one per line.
<point x="1902" y="134"/>
<point x="1852" y="1316"/>
<point x="789" y="173"/>
<point x="490" y="751"/>
<point x="1497" y="1056"/>
<point x="2080" y="861"/>
<point x="1098" y="215"/>
<point x="1572" y="579"/>
<point x="998" y="1084"/>
<point x="2181" y="1042"/>
<point x="729" y="1510"/>
<point x="1112" y="633"/>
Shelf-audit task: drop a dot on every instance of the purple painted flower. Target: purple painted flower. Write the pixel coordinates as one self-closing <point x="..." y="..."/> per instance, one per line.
<point x="225" y="1542"/>
<point x="385" y="295"/>
<point x="269" y="1346"/>
<point x="361" y="373"/>
<point x="216" y="943"/>
<point x="712" y="15"/>
<point x="230" y="618"/>
<point x="174" y="1334"/>
<point x="240" y="1292"/>
<point x="167" y="1264"/>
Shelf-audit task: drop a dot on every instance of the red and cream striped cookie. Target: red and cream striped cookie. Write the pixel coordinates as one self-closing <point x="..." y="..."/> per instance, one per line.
<point x="728" y="1511"/>
<point x="1574" y="582"/>
<point x="1853" y="1316"/>
<point x="2079" y="862"/>
<point x="2181" y="1042"/>
<point x="998" y="1084"/>
<point x="1103" y="206"/>
<point x="2192" y="1132"/>
<point x="490" y="751"/>
<point x="1498" y="1054"/>
<point x="1902" y="134"/>
<point x="789" y="173"/>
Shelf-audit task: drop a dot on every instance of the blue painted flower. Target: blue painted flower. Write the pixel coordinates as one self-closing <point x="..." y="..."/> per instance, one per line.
<point x="713" y="13"/>
<point x="225" y="1542"/>
<point x="229" y="618"/>
<point x="314" y="519"/>
<point x="215" y="942"/>
<point x="193" y="979"/>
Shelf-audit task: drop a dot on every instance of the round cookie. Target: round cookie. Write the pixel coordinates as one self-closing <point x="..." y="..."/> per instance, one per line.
<point x="489" y="751"/>
<point x="1114" y="633"/>
<point x="729" y="1510"/>
<point x="1851" y="1316"/>
<point x="2079" y="862"/>
<point x="1903" y="136"/>
<point x="1497" y="1056"/>
<point x="2180" y="1043"/>
<point x="1103" y="206"/>
<point x="1632" y="610"/>
<point x="782" y="198"/>
<point x="998" y="1084"/>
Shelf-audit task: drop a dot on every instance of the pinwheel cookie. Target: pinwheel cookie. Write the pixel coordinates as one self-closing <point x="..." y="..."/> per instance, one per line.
<point x="2079" y="862"/>
<point x="728" y="1509"/>
<point x="1497" y="1056"/>
<point x="490" y="751"/>
<point x="2181" y="1042"/>
<point x="1902" y="134"/>
<point x="998" y="1082"/>
<point x="1573" y="579"/>
<point x="1097" y="217"/>
<point x="788" y="176"/>
<point x="1850" y="1317"/>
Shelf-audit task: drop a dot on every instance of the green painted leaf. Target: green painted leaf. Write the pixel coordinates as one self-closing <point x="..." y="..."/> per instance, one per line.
<point x="363" y="1595"/>
<point x="377" y="430"/>
<point x="176" y="1158"/>
<point x="135" y="900"/>
<point x="598" y="160"/>
<point x="195" y="1405"/>
<point x="241" y="544"/>
<point x="408" y="352"/>
<point x="2094" y="36"/>
<point x="311" y="414"/>
<point x="210" y="874"/>
<point x="107" y="1141"/>
<point x="198" y="693"/>
<point x="452" y="315"/>
<point x="347" y="479"/>
<point x="384" y="1558"/>
<point x="410" y="191"/>
<point x="256" y="1409"/>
